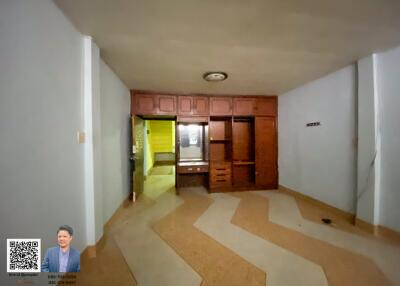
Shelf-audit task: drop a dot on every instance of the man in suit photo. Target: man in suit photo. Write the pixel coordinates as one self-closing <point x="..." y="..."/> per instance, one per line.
<point x="62" y="258"/>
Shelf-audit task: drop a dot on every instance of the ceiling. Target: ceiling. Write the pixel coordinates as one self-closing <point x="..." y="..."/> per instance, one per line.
<point x="265" y="46"/>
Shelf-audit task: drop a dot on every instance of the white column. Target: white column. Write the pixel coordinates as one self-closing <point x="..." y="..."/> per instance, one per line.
<point x="368" y="153"/>
<point x="89" y="168"/>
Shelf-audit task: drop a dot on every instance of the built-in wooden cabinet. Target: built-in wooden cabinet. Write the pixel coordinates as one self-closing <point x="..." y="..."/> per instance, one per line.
<point x="155" y="104"/>
<point x="266" y="106"/>
<point x="266" y="152"/>
<point x="239" y="133"/>
<point x="220" y="135"/>
<point x="185" y="105"/>
<point x="220" y="174"/>
<point x="201" y="105"/>
<point x="220" y="105"/>
<point x="166" y="104"/>
<point x="145" y="104"/>
<point x="243" y="151"/>
<point x="193" y="105"/>
<point x="244" y="106"/>
<point x="196" y="105"/>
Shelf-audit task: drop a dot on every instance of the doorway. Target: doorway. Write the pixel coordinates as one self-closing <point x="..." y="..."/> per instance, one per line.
<point x="158" y="157"/>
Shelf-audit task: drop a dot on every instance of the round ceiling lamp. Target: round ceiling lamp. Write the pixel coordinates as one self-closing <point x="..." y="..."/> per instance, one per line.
<point x="215" y="76"/>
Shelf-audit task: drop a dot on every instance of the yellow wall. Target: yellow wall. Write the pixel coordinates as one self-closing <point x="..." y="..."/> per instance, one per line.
<point x="149" y="153"/>
<point x="161" y="138"/>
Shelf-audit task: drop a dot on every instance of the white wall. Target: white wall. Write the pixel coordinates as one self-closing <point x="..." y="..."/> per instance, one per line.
<point x="115" y="110"/>
<point x="388" y="71"/>
<point x="41" y="165"/>
<point x="320" y="161"/>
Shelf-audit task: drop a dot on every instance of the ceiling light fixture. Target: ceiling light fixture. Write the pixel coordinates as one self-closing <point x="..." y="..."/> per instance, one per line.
<point x="215" y="76"/>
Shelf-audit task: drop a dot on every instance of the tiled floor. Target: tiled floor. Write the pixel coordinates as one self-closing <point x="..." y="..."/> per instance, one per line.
<point x="243" y="238"/>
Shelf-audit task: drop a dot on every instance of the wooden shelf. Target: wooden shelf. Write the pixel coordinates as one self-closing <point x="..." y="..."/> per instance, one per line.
<point x="241" y="163"/>
<point x="219" y="140"/>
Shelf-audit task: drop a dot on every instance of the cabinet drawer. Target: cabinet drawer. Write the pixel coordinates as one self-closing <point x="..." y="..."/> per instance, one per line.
<point x="221" y="171"/>
<point x="220" y="165"/>
<point x="192" y="169"/>
<point x="216" y="177"/>
<point x="220" y="181"/>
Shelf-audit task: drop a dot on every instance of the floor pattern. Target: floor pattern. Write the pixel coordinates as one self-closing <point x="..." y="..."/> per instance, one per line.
<point x="282" y="266"/>
<point x="284" y="211"/>
<point x="342" y="267"/>
<point x="215" y="263"/>
<point x="152" y="260"/>
<point x="243" y="238"/>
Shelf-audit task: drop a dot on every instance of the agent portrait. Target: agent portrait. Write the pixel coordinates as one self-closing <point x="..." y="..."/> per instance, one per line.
<point x="62" y="258"/>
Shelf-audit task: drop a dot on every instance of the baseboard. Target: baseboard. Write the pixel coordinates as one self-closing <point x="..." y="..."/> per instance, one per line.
<point x="90" y="251"/>
<point x="377" y="230"/>
<point x="124" y="203"/>
<point x="346" y="215"/>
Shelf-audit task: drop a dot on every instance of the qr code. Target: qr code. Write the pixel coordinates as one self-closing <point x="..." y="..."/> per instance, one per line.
<point x="23" y="255"/>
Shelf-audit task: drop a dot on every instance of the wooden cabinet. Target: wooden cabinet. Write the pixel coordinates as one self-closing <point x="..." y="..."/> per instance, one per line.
<point x="266" y="152"/>
<point x="145" y="104"/>
<point x="193" y="105"/>
<point x="243" y="151"/>
<point x="244" y="106"/>
<point x="220" y="148"/>
<point x="240" y="134"/>
<point x="220" y="105"/>
<point x="220" y="174"/>
<point x="185" y="105"/>
<point x="266" y="106"/>
<point x="158" y="104"/>
<point x="200" y="104"/>
<point x="166" y="104"/>
<point x="155" y="104"/>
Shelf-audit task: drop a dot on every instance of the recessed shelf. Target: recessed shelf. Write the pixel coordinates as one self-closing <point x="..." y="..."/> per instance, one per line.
<point x="219" y="140"/>
<point x="240" y="163"/>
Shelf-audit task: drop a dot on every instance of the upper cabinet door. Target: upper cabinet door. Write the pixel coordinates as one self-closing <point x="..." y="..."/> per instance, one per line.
<point x="145" y="104"/>
<point x="200" y="105"/>
<point x="185" y="105"/>
<point x="244" y="106"/>
<point x="220" y="106"/>
<point x="266" y="106"/>
<point x="166" y="104"/>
